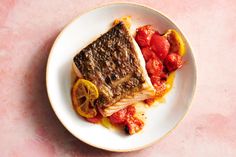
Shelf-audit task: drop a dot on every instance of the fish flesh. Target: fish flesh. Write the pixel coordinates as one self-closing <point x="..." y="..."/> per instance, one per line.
<point x="114" y="63"/>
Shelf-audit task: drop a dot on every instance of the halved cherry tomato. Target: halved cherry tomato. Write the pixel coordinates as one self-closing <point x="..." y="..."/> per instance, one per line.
<point x="144" y="35"/>
<point x="173" y="62"/>
<point x="160" y="45"/>
<point x="154" y="66"/>
<point x="148" y="53"/>
<point x="118" y="117"/>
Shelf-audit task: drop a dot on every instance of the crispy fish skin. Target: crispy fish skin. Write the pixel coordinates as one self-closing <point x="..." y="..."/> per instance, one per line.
<point x="112" y="63"/>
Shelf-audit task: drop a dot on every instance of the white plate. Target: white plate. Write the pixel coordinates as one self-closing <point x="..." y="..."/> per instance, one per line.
<point x="79" y="33"/>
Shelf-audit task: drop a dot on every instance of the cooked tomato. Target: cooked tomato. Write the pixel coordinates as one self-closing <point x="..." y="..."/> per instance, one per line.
<point x="155" y="79"/>
<point x="159" y="85"/>
<point x="160" y="89"/>
<point x="130" y="111"/>
<point x="118" y="117"/>
<point x="160" y="45"/>
<point x="173" y="62"/>
<point x="149" y="101"/>
<point x="164" y="76"/>
<point x="154" y="66"/>
<point x="144" y="35"/>
<point x="176" y="42"/>
<point x="148" y="53"/>
<point x="95" y="119"/>
<point x="133" y="125"/>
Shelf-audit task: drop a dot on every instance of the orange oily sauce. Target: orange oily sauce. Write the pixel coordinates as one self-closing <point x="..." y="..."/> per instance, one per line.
<point x="160" y="95"/>
<point x="169" y="84"/>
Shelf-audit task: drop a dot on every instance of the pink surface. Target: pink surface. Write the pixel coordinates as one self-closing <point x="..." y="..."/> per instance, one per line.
<point x="28" y="125"/>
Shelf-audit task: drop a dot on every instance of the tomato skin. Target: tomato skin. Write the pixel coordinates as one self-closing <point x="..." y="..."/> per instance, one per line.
<point x="158" y="84"/>
<point x="95" y="119"/>
<point x="131" y="110"/>
<point x="149" y="101"/>
<point x="154" y="66"/>
<point x="127" y="118"/>
<point x="118" y="117"/>
<point x="160" y="89"/>
<point x="144" y="35"/>
<point x="133" y="125"/>
<point x="160" y="45"/>
<point x="148" y="54"/>
<point x="164" y="76"/>
<point x="173" y="62"/>
<point x="155" y="79"/>
<point x="159" y="79"/>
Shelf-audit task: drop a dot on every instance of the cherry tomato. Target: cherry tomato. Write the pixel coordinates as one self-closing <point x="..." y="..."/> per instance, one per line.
<point x="133" y="125"/>
<point x="118" y="117"/>
<point x="149" y="101"/>
<point x="173" y="62"/>
<point x="159" y="85"/>
<point x="131" y="110"/>
<point x="155" y="79"/>
<point x="95" y="119"/>
<point x="160" y="45"/>
<point x="144" y="35"/>
<point x="164" y="76"/>
<point x="148" y="53"/>
<point x="160" y="89"/>
<point x="154" y="66"/>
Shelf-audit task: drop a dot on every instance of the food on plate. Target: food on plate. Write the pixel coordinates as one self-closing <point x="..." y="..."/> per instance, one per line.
<point x="119" y="69"/>
<point x="113" y="63"/>
<point x="163" y="55"/>
<point x="160" y="45"/>
<point x="144" y="35"/>
<point x="84" y="93"/>
<point x="125" y="19"/>
<point x="173" y="61"/>
<point x="176" y="42"/>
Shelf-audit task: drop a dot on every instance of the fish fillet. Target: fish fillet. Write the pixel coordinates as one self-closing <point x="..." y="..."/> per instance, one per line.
<point x="114" y="63"/>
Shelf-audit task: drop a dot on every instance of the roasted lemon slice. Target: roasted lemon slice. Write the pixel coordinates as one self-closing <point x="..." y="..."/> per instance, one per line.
<point x="176" y="42"/>
<point x="84" y="93"/>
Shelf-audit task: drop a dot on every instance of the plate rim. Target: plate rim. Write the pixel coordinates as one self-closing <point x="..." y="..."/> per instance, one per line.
<point x="103" y="6"/>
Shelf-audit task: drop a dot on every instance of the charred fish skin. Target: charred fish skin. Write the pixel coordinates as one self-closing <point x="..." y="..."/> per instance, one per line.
<point x="110" y="62"/>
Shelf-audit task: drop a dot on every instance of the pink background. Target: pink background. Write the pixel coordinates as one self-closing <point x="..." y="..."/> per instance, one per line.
<point x="28" y="125"/>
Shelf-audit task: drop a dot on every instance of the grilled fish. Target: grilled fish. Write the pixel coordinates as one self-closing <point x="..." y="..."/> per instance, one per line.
<point x="114" y="63"/>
